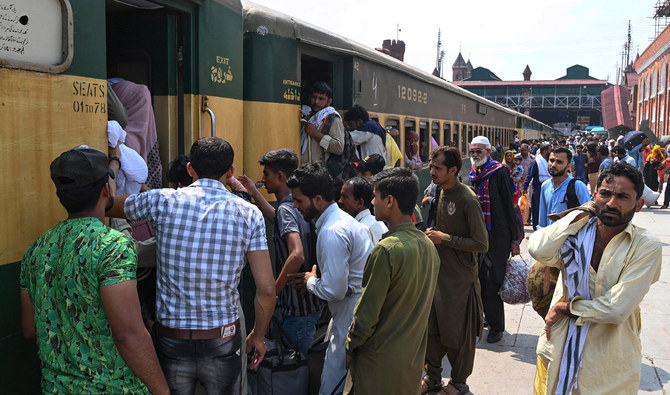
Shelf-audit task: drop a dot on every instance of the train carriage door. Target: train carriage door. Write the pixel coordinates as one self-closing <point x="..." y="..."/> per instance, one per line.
<point x="188" y="55"/>
<point x="144" y="52"/>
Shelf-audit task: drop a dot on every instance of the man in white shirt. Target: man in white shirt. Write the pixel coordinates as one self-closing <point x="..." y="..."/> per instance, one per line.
<point x="356" y="199"/>
<point x="342" y="248"/>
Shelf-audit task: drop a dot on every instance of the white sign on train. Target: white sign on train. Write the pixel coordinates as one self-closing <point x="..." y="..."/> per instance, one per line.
<point x="31" y="31"/>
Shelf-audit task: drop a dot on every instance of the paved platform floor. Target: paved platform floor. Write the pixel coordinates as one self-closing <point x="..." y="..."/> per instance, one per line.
<point x="508" y="367"/>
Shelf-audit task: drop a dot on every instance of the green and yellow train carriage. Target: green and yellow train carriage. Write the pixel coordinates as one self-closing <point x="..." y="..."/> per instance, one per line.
<point x="213" y="67"/>
<point x="55" y="58"/>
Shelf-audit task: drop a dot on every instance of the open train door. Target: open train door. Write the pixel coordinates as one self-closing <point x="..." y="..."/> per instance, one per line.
<point x="188" y="53"/>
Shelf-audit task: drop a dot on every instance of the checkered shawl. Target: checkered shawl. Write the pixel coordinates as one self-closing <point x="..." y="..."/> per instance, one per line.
<point x="482" y="178"/>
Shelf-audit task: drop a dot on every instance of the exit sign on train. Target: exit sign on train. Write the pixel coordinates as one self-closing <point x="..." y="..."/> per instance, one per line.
<point x="584" y="120"/>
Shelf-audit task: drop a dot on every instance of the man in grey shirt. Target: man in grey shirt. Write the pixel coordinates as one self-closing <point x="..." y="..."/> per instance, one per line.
<point x="342" y="248"/>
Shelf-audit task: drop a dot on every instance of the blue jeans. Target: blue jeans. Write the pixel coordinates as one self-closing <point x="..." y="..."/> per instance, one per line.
<point x="215" y="363"/>
<point x="301" y="329"/>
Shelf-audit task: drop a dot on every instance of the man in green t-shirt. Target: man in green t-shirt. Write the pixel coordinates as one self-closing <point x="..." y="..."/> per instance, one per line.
<point x="78" y="291"/>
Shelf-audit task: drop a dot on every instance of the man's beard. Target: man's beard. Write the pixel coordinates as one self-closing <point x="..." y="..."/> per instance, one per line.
<point x="558" y="173"/>
<point x="478" y="162"/>
<point x="622" y="218"/>
<point x="311" y="213"/>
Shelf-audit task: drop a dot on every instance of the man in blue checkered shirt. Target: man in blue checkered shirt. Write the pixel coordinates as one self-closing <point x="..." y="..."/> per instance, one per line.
<point x="203" y="234"/>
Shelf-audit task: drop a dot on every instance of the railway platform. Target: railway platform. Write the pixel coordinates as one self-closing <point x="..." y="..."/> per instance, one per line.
<point x="508" y="367"/>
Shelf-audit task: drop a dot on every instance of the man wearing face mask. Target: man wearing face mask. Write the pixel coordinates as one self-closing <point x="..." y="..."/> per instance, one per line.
<point x="494" y="192"/>
<point x="607" y="266"/>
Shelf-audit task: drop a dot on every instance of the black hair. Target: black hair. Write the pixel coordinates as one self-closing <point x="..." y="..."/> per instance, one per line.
<point x="312" y="179"/>
<point x="603" y="150"/>
<point x="451" y="155"/>
<point x="284" y="160"/>
<point x="85" y="197"/>
<point x="362" y="189"/>
<point x="374" y="163"/>
<point x="544" y="148"/>
<point x="579" y="146"/>
<point x="591" y="147"/>
<point x="177" y="172"/>
<point x="563" y="150"/>
<point x="623" y="169"/>
<point x="211" y="157"/>
<point x="619" y="150"/>
<point x="357" y="113"/>
<point x="322" y="88"/>
<point x="402" y="184"/>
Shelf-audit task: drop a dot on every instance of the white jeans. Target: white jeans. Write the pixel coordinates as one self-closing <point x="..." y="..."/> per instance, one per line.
<point x="334" y="367"/>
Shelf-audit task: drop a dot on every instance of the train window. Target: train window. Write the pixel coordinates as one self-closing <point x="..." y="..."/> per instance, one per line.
<point x="446" y="135"/>
<point x="374" y="117"/>
<point x="36" y="35"/>
<point x="393" y="123"/>
<point x="470" y="133"/>
<point x="424" y="140"/>
<point x="435" y="134"/>
<point x="410" y="125"/>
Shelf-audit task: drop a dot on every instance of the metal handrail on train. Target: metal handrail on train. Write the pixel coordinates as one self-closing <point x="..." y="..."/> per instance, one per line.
<point x="205" y="108"/>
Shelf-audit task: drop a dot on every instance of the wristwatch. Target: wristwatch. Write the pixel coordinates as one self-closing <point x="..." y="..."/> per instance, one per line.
<point x="116" y="158"/>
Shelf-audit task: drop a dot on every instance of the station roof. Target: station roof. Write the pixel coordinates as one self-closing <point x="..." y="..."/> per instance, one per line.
<point x="531" y="83"/>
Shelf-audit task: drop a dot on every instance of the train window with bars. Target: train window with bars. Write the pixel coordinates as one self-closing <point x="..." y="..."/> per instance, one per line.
<point x="435" y="134"/>
<point x="424" y="140"/>
<point x="410" y="124"/>
<point x="470" y="132"/>
<point x="36" y="35"/>
<point x="393" y="123"/>
<point x="446" y="134"/>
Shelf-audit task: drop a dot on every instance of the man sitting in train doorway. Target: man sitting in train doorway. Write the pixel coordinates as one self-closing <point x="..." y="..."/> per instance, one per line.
<point x="323" y="135"/>
<point x="368" y="135"/>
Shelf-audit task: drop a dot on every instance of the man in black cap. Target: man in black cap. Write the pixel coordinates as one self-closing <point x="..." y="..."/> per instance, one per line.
<point x="78" y="291"/>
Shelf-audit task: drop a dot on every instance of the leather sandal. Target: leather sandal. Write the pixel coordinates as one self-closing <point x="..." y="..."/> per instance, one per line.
<point x="430" y="385"/>
<point x="454" y="389"/>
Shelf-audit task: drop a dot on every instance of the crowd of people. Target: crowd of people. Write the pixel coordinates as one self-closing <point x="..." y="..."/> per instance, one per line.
<point x="350" y="244"/>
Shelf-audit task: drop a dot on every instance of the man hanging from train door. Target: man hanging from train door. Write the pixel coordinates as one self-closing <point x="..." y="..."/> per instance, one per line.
<point x="323" y="135"/>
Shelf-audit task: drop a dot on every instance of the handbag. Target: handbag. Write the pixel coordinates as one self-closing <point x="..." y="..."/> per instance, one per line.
<point x="282" y="370"/>
<point x="524" y="207"/>
<point x="513" y="289"/>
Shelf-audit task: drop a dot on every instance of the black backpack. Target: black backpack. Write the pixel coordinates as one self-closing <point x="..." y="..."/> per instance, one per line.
<point x="571" y="195"/>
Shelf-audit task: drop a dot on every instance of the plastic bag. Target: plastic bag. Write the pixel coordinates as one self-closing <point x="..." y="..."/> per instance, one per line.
<point x="514" y="289"/>
<point x="524" y="207"/>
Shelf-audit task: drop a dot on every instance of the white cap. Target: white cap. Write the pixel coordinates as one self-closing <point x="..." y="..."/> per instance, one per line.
<point x="481" y="140"/>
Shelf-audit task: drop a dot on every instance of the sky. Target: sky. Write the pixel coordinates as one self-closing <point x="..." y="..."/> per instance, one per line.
<point x="504" y="36"/>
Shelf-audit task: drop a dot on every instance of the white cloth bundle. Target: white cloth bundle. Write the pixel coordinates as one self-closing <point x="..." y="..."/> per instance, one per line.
<point x="134" y="171"/>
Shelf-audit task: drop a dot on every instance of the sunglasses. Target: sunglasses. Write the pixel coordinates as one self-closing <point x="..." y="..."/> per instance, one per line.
<point x="477" y="151"/>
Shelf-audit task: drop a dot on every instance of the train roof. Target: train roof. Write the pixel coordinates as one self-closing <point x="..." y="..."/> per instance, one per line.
<point x="263" y="20"/>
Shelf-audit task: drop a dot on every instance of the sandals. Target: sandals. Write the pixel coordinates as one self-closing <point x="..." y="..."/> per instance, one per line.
<point x="430" y="385"/>
<point x="454" y="389"/>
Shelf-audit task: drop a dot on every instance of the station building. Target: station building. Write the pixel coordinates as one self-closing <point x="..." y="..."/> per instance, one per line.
<point x="565" y="103"/>
<point x="651" y="93"/>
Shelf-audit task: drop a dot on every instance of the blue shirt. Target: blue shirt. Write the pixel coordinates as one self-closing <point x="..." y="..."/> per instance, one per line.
<point x="554" y="201"/>
<point x="580" y="169"/>
<point x="607" y="162"/>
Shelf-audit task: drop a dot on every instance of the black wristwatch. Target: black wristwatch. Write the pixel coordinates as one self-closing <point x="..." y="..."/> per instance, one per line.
<point x="116" y="158"/>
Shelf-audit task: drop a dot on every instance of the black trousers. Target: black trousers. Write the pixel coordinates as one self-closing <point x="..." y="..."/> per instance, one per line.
<point x="494" y="308"/>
